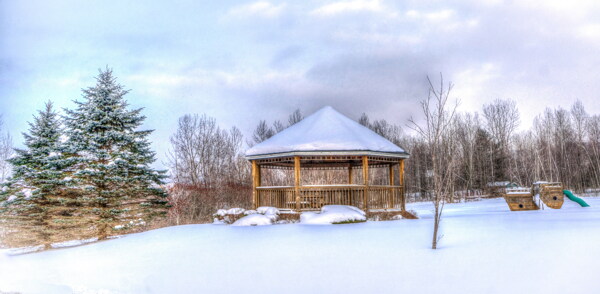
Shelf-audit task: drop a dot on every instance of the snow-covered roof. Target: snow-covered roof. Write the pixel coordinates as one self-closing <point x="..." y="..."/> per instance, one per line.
<point x="326" y="132"/>
<point x="501" y="184"/>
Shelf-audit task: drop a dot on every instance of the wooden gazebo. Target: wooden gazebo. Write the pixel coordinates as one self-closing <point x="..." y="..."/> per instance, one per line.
<point x="327" y="140"/>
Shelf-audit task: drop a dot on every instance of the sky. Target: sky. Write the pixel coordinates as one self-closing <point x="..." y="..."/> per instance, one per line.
<point x="243" y="61"/>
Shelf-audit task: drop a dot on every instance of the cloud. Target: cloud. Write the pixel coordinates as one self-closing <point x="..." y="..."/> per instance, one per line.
<point x="342" y="7"/>
<point x="590" y="32"/>
<point x="261" y="9"/>
<point x="261" y="60"/>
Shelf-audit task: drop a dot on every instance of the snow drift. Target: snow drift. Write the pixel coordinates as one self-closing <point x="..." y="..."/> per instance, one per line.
<point x="331" y="214"/>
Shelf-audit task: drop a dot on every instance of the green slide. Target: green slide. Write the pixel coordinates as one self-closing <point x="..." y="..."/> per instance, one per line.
<point x="580" y="201"/>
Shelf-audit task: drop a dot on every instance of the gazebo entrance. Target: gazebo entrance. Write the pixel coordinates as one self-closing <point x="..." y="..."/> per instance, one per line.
<point x="312" y="197"/>
<point x="369" y="169"/>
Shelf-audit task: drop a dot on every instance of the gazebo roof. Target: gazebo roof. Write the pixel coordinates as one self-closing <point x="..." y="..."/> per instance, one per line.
<point x="326" y="132"/>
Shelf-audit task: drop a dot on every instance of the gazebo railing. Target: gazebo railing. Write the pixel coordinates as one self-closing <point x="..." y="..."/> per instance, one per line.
<point x="315" y="197"/>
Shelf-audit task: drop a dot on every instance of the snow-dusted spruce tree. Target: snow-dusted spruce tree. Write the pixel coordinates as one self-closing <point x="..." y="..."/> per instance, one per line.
<point x="31" y="194"/>
<point x="109" y="159"/>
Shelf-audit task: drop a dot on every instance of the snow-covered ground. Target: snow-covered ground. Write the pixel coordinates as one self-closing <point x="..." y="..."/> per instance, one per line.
<point x="485" y="249"/>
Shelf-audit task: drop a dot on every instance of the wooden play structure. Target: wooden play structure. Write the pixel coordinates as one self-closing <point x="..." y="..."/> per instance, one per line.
<point x="498" y="189"/>
<point x="327" y="140"/>
<point x="550" y="194"/>
<point x="520" y="198"/>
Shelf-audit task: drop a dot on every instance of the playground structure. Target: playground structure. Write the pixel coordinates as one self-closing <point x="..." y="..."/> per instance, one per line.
<point x="550" y="194"/>
<point x="520" y="198"/>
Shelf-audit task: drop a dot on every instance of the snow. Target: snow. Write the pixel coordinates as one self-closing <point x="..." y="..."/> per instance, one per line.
<point x="254" y="220"/>
<point x="27" y="192"/>
<point x="499" y="184"/>
<point x="485" y="248"/>
<point x="333" y="214"/>
<point x="264" y="215"/>
<point x="250" y="211"/>
<point x="540" y="182"/>
<point x="73" y="243"/>
<point x="267" y="210"/>
<point x="325" y="130"/>
<point x="11" y="198"/>
<point x="224" y="212"/>
<point x="235" y="210"/>
<point x="518" y="191"/>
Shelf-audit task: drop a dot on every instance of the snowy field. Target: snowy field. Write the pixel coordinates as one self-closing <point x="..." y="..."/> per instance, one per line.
<point x="485" y="249"/>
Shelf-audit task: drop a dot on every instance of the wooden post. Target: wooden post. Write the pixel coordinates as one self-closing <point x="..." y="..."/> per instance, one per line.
<point x="350" y="175"/>
<point x="401" y="174"/>
<point x="392" y="196"/>
<point x="297" y="181"/>
<point x="365" y="163"/>
<point x="255" y="184"/>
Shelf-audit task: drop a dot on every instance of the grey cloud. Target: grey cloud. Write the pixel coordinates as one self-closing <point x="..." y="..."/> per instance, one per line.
<point x="193" y="57"/>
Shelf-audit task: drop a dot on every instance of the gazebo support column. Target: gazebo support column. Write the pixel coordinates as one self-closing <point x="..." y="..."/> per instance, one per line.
<point x="391" y="175"/>
<point x="402" y="193"/>
<point x="297" y="181"/>
<point x="365" y="163"/>
<point x="350" y="175"/>
<point x="255" y="183"/>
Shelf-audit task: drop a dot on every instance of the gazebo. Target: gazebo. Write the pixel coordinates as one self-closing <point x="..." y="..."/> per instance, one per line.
<point x="328" y="140"/>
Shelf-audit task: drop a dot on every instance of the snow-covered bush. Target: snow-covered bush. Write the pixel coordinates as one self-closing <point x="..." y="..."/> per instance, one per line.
<point x="254" y="220"/>
<point x="333" y="214"/>
<point x="240" y="217"/>
<point x="268" y="210"/>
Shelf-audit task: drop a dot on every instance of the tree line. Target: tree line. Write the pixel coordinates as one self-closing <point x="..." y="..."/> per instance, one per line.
<point x="87" y="173"/>
<point x="474" y="149"/>
<point x="83" y="175"/>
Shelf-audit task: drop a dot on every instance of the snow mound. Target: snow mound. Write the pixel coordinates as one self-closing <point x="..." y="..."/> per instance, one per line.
<point x="331" y="214"/>
<point x="221" y="212"/>
<point x="254" y="220"/>
<point x="268" y="210"/>
<point x="234" y="211"/>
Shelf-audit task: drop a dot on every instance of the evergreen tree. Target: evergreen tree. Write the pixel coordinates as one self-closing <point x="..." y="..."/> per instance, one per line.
<point x="110" y="159"/>
<point x="37" y="179"/>
<point x="38" y="165"/>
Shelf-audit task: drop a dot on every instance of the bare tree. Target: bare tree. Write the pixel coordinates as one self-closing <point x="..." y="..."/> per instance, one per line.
<point x="295" y="117"/>
<point x="502" y="118"/>
<point x="204" y="155"/>
<point x="208" y="170"/>
<point x="278" y="126"/>
<point x="262" y="132"/>
<point x="6" y="151"/>
<point x="439" y="137"/>
<point x="467" y="126"/>
<point x="364" y="120"/>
